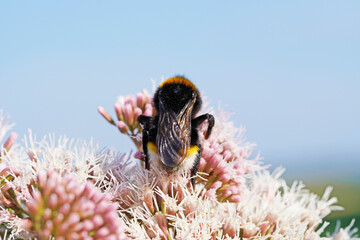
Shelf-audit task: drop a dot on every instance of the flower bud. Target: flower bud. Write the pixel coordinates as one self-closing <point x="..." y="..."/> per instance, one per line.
<point x="137" y="113"/>
<point x="229" y="229"/>
<point x="148" y="110"/>
<point x="148" y="199"/>
<point x="68" y="221"/>
<point x="103" y="113"/>
<point x="129" y="114"/>
<point x="140" y="100"/>
<point x="139" y="155"/>
<point x="119" y="111"/>
<point x="130" y="99"/>
<point x="122" y="127"/>
<point x="10" y="141"/>
<point x="162" y="223"/>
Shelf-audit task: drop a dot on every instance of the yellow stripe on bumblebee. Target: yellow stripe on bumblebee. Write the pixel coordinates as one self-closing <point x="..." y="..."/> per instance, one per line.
<point x="152" y="147"/>
<point x="192" y="150"/>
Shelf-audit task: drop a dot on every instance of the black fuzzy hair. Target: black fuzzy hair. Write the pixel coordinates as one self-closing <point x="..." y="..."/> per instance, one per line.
<point x="176" y="94"/>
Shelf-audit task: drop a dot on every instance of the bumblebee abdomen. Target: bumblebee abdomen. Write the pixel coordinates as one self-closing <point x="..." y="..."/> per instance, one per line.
<point x="186" y="164"/>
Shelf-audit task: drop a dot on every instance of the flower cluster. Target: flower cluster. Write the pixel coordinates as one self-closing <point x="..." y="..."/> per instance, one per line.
<point x="166" y="208"/>
<point x="225" y="160"/>
<point x="127" y="110"/>
<point x="225" y="155"/>
<point x="65" y="189"/>
<point x="64" y="208"/>
<point x="65" y="202"/>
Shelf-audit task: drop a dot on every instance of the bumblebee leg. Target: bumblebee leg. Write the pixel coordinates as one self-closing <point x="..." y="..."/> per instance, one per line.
<point x="145" y="122"/>
<point x="195" y="167"/>
<point x="200" y="119"/>
<point x="145" y="150"/>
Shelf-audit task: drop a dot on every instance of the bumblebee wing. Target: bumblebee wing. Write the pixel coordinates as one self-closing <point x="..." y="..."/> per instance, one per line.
<point x="172" y="143"/>
<point x="173" y="138"/>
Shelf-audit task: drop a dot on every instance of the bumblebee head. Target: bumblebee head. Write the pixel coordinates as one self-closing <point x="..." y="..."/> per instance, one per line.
<point x="176" y="101"/>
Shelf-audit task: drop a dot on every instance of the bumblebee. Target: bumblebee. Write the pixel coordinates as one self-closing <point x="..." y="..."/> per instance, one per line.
<point x="170" y="138"/>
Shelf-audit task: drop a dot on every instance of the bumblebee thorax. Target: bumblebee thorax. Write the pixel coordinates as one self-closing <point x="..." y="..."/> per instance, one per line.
<point x="175" y="93"/>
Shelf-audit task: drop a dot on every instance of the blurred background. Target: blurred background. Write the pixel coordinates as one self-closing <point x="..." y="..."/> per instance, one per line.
<point x="290" y="72"/>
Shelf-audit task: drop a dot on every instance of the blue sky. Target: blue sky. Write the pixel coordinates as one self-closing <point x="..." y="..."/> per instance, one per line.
<point x="290" y="71"/>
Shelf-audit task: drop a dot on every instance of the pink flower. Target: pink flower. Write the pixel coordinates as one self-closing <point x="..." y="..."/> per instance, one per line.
<point x="127" y="110"/>
<point x="105" y="114"/>
<point x="10" y="141"/>
<point x="9" y="191"/>
<point x="64" y="208"/>
<point x="224" y="160"/>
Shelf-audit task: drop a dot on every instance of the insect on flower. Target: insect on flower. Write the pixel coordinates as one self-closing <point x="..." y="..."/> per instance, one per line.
<point x="170" y="138"/>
